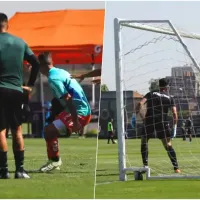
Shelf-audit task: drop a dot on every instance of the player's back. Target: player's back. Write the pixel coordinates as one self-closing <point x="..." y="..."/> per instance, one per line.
<point x="158" y="104"/>
<point x="11" y="61"/>
<point x="72" y="87"/>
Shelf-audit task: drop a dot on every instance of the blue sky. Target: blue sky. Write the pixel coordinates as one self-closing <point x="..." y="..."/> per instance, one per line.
<point x="10" y="7"/>
<point x="184" y="15"/>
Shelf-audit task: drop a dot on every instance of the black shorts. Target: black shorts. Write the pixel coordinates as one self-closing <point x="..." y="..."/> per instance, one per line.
<point x="189" y="131"/>
<point x="151" y="126"/>
<point x="10" y="108"/>
<point x="110" y="134"/>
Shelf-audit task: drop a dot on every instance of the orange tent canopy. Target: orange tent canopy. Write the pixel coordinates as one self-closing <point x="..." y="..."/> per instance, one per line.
<point x="73" y="36"/>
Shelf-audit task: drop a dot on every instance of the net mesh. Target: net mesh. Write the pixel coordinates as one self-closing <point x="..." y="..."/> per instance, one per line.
<point x="147" y="57"/>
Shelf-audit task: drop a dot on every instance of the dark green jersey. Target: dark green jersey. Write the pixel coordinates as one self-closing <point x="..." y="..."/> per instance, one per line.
<point x="13" y="51"/>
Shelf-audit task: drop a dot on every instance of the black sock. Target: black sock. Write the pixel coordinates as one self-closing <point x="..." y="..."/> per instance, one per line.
<point x="172" y="156"/>
<point x="55" y="159"/>
<point x="3" y="159"/>
<point x="19" y="160"/>
<point x="144" y="152"/>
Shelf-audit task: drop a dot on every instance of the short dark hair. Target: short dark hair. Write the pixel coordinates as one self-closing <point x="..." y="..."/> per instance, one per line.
<point x="3" y="19"/>
<point x="44" y="58"/>
<point x="163" y="82"/>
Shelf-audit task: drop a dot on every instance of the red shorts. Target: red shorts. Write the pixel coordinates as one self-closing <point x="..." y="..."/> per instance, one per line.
<point x="64" y="121"/>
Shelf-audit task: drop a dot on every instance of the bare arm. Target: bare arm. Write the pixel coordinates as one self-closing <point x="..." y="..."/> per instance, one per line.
<point x="94" y="73"/>
<point x="33" y="61"/>
<point x="60" y="92"/>
<point x="90" y="74"/>
<point x="97" y="81"/>
<point x="71" y="107"/>
<point x="139" y="105"/>
<point x="175" y="115"/>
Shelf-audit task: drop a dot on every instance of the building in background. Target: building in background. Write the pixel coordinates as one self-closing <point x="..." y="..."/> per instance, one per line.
<point x="108" y="110"/>
<point x="184" y="82"/>
<point x="185" y="87"/>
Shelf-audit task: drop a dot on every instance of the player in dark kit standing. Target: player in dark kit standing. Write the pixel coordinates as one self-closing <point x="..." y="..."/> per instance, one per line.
<point x="188" y="128"/>
<point x="156" y="119"/>
<point x="13" y="51"/>
<point x="183" y="130"/>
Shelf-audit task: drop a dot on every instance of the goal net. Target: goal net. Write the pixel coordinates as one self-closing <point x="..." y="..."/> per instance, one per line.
<point x="146" y="51"/>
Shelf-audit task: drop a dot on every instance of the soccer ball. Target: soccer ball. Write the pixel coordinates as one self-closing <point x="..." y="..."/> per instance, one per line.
<point x="138" y="176"/>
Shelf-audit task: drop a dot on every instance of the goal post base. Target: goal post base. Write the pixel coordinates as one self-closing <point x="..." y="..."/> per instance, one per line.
<point x="137" y="169"/>
<point x="143" y="170"/>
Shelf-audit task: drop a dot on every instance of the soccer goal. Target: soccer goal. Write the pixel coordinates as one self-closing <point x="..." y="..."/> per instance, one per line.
<point x="145" y="51"/>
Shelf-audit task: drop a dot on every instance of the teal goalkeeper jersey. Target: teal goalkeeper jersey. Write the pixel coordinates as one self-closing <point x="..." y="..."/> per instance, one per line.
<point x="61" y="83"/>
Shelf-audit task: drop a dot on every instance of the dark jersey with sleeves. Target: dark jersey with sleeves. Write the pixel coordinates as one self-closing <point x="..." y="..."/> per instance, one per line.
<point x="13" y="51"/>
<point x="188" y="123"/>
<point x="158" y="105"/>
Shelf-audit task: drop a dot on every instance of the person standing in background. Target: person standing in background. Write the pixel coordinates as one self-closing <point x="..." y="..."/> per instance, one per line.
<point x="188" y="127"/>
<point x="183" y="130"/>
<point x="110" y="131"/>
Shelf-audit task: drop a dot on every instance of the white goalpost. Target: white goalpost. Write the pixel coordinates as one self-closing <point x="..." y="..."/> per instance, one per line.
<point x="137" y="61"/>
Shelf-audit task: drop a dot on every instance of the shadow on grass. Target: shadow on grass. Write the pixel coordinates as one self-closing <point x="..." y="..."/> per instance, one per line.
<point x="114" y="174"/>
<point x="34" y="171"/>
<point x="101" y="170"/>
<point x="74" y="172"/>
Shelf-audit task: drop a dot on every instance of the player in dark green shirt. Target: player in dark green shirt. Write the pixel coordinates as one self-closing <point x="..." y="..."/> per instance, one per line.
<point x="13" y="51"/>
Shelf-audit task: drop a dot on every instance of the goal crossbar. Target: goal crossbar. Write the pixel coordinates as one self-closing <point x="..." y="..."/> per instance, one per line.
<point x="136" y="25"/>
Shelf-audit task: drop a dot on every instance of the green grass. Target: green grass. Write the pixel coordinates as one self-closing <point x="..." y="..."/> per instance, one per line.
<point x="76" y="177"/>
<point x="24" y="129"/>
<point x="74" y="180"/>
<point x="108" y="185"/>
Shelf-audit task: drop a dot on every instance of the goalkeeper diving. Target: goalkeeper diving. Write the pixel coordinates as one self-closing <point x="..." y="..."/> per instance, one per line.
<point x="76" y="113"/>
<point x="156" y="120"/>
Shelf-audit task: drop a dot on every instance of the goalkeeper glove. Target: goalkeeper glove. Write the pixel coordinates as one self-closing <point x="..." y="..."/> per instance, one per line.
<point x="173" y="134"/>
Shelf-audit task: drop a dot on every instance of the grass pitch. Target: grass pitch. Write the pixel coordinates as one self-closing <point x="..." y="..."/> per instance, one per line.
<point x="76" y="177"/>
<point x="74" y="180"/>
<point x="108" y="186"/>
